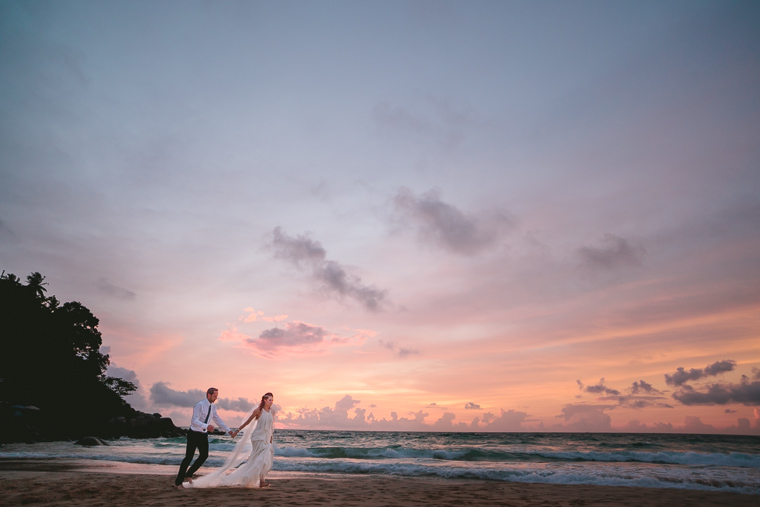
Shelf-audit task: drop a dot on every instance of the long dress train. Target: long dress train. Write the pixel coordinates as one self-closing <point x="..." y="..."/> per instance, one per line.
<point x="253" y="472"/>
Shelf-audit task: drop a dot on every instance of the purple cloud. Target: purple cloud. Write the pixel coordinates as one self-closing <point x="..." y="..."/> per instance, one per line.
<point x="746" y="393"/>
<point x="681" y="376"/>
<point x="162" y="394"/>
<point x="330" y="276"/>
<point x="600" y="388"/>
<point x="445" y="225"/>
<point x="641" y="386"/>
<point x="611" y="253"/>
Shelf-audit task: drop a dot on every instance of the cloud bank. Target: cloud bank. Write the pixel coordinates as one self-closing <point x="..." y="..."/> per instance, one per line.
<point x="162" y="394"/>
<point x="745" y="393"/>
<point x="581" y="417"/>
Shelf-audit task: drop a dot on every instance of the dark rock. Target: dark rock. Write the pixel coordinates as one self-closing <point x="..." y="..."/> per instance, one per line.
<point x="90" y="441"/>
<point x="166" y="423"/>
<point x="168" y="429"/>
<point x="20" y="423"/>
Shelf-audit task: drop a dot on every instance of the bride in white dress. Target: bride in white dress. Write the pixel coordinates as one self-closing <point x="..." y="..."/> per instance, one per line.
<point x="258" y="447"/>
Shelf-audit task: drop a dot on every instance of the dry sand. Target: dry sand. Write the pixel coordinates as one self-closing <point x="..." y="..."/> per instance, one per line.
<point x="50" y="483"/>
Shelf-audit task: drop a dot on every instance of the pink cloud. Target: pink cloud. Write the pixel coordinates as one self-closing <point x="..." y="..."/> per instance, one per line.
<point x="693" y="424"/>
<point x="581" y="417"/>
<point x="445" y="422"/>
<point x="508" y="420"/>
<point x="635" y="426"/>
<point x="362" y="334"/>
<point x="328" y="418"/>
<point x="256" y="315"/>
<point x="301" y="337"/>
<point x="339" y="417"/>
<point x="295" y="335"/>
<point x="233" y="335"/>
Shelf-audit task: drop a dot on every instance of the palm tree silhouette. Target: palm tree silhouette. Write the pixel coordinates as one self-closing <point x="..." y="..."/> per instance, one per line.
<point x="36" y="284"/>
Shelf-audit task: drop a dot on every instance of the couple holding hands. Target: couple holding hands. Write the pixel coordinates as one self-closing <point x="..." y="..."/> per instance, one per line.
<point x="257" y="449"/>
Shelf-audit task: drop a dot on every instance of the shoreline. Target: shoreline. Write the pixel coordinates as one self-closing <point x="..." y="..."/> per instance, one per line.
<point x="81" y="482"/>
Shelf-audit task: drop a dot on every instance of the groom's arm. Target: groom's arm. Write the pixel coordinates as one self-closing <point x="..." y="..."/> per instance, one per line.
<point x="218" y="420"/>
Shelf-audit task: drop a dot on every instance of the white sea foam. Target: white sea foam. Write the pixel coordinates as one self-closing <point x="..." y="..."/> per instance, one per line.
<point x="720" y="463"/>
<point x="746" y="482"/>
<point x="734" y="459"/>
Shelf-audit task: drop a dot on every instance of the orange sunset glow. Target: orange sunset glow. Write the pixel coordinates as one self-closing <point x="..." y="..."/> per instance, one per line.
<point x="416" y="216"/>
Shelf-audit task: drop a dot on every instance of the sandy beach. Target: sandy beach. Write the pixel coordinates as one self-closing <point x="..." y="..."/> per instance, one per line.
<point x="43" y="482"/>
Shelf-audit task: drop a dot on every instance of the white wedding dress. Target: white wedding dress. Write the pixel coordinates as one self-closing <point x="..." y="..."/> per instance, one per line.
<point x="252" y="473"/>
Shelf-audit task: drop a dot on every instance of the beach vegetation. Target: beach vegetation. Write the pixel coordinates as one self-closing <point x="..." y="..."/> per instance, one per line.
<point x="52" y="360"/>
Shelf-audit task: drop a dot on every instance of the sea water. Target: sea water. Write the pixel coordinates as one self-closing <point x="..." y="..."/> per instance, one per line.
<point x="707" y="462"/>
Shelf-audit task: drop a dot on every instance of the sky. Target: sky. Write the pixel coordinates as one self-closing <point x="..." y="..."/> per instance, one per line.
<point x="399" y="215"/>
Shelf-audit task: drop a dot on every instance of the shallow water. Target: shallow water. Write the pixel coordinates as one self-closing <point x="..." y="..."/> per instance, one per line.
<point x="709" y="462"/>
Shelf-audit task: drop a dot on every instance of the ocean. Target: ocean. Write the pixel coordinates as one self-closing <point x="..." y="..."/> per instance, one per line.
<point x="706" y="462"/>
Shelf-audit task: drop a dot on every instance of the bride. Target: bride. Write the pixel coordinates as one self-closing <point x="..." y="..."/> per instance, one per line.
<point x="258" y="447"/>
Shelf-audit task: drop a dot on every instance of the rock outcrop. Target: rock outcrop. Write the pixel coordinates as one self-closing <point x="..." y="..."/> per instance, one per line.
<point x="30" y="424"/>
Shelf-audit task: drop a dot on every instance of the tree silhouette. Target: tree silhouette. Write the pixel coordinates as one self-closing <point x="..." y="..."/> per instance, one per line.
<point x="35" y="283"/>
<point x="10" y="278"/>
<point x="52" y="302"/>
<point x="51" y="359"/>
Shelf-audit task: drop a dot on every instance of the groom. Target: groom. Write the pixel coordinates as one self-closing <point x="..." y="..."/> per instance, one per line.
<point x="197" y="437"/>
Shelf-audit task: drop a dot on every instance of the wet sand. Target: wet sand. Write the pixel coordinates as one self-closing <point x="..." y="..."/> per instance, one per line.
<point x="49" y="482"/>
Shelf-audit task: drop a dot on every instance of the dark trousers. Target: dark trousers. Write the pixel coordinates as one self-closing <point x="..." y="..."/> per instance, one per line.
<point x="195" y="440"/>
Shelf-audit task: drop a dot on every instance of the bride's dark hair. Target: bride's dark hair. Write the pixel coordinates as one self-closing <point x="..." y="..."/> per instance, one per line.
<point x="267" y="395"/>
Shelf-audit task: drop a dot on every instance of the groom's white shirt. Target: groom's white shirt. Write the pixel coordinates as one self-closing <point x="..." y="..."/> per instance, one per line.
<point x="200" y="410"/>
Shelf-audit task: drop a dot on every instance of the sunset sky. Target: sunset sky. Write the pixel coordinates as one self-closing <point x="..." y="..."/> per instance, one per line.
<point x="399" y="215"/>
